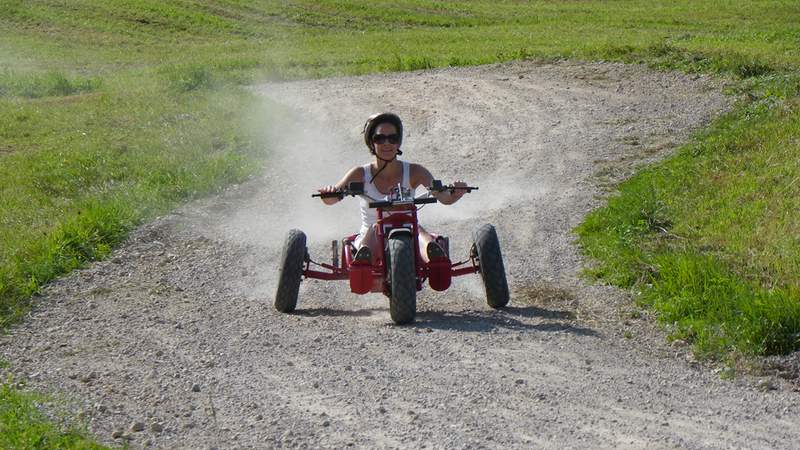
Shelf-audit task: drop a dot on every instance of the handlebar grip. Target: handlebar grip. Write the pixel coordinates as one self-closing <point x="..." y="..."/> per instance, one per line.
<point x="437" y="186"/>
<point x="329" y="195"/>
<point x="420" y="201"/>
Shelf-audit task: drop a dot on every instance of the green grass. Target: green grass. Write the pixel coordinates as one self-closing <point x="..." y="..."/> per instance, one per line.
<point x="112" y="112"/>
<point x="710" y="235"/>
<point x="83" y="171"/>
<point x="49" y="84"/>
<point x="23" y="426"/>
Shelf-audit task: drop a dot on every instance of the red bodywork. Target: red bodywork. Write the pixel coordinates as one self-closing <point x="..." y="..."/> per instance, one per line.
<point x="365" y="277"/>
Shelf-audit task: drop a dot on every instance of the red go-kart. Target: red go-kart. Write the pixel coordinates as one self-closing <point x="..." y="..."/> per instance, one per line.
<point x="396" y="269"/>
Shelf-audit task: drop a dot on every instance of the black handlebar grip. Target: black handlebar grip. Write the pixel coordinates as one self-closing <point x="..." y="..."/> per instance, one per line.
<point x="421" y="201"/>
<point x="437" y="186"/>
<point x="355" y="188"/>
<point x="329" y="195"/>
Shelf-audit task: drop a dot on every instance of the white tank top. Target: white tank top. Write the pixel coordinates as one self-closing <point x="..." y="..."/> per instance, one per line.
<point x="370" y="215"/>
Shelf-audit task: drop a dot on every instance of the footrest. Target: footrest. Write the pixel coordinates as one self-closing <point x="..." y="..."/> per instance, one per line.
<point x="439" y="275"/>
<point x="360" y="277"/>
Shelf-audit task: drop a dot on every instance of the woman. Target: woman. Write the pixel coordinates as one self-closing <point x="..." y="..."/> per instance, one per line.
<point x="383" y="134"/>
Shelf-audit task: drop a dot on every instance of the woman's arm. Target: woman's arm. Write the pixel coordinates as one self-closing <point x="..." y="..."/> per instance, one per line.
<point x="354" y="174"/>
<point x="420" y="176"/>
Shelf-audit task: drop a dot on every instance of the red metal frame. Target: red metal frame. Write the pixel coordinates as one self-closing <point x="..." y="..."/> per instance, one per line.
<point x="372" y="278"/>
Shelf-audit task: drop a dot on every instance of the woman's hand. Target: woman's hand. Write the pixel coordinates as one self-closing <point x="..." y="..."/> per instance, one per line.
<point x="458" y="193"/>
<point x="327" y="189"/>
<point x="448" y="197"/>
<point x="330" y="189"/>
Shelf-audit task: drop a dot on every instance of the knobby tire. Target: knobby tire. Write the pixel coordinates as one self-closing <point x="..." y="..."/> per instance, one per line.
<point x="492" y="271"/>
<point x="291" y="271"/>
<point x="402" y="279"/>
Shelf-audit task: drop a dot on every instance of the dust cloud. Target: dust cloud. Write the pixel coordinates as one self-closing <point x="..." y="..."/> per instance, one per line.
<point x="304" y="155"/>
<point x="312" y="144"/>
<point x="310" y="147"/>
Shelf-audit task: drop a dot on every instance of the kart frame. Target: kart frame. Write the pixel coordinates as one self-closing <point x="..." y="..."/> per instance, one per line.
<point x="372" y="277"/>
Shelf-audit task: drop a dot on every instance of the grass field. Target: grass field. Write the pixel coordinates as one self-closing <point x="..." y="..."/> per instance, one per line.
<point x="112" y="112"/>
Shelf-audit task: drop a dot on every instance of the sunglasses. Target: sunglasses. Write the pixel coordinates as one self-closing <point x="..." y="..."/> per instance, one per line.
<point x="383" y="138"/>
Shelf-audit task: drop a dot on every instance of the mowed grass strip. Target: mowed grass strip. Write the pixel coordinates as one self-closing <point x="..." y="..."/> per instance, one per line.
<point x="114" y="111"/>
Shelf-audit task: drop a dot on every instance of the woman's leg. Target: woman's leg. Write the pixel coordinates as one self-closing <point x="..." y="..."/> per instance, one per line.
<point x="370" y="240"/>
<point x="425" y="238"/>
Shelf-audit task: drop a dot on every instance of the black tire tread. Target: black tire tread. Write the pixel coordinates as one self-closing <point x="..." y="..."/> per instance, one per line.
<point x="403" y="279"/>
<point x="493" y="271"/>
<point x="291" y="271"/>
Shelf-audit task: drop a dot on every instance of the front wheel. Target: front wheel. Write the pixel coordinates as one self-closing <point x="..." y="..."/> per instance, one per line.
<point x="493" y="273"/>
<point x="402" y="279"/>
<point x="291" y="271"/>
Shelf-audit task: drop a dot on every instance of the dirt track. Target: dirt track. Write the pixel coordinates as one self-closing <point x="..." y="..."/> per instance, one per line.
<point x="177" y="331"/>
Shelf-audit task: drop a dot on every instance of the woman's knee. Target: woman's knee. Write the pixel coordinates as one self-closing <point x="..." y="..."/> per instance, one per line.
<point x="370" y="236"/>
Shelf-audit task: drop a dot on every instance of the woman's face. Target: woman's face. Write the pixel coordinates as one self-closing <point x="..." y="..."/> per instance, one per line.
<point x="385" y="141"/>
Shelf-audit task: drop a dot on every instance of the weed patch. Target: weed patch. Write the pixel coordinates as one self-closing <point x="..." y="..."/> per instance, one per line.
<point x="188" y="78"/>
<point x="49" y="84"/>
<point x="409" y="63"/>
<point x="544" y="296"/>
<point x="665" y="55"/>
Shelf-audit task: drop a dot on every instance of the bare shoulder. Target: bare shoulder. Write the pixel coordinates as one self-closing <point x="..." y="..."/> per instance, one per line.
<point x="355" y="174"/>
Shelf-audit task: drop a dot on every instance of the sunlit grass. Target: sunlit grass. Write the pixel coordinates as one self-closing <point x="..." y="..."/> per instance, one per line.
<point x="24" y="426"/>
<point x="73" y="193"/>
<point x="710" y="236"/>
<point x="49" y="84"/>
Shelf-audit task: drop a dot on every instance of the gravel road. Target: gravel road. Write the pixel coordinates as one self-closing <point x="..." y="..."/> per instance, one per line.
<point x="173" y="341"/>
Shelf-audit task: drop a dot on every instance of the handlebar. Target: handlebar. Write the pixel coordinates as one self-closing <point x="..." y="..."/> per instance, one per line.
<point x="355" y="188"/>
<point x="417" y="201"/>
<point x="339" y="194"/>
<point x="436" y="186"/>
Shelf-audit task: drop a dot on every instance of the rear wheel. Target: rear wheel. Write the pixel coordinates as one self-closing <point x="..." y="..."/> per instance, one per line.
<point x="291" y="271"/>
<point x="493" y="273"/>
<point x="402" y="279"/>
